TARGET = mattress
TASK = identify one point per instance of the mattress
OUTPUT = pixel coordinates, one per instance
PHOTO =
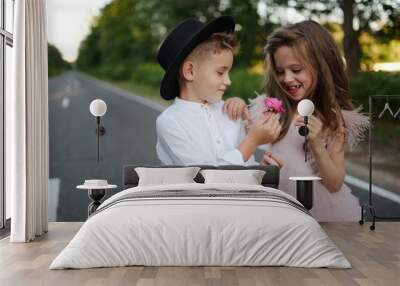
(201, 225)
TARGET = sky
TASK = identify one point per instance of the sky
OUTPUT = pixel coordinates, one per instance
(69, 22)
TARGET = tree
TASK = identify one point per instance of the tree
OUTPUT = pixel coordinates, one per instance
(128, 32)
(252, 30)
(351, 45)
(358, 16)
(56, 64)
(89, 53)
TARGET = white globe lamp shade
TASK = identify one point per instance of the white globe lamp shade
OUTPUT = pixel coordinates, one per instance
(305, 107)
(98, 107)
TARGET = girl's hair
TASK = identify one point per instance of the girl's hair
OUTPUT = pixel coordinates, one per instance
(318, 52)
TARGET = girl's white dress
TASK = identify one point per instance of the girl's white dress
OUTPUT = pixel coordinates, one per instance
(339, 206)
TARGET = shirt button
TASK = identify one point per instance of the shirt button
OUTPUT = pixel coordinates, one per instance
(218, 142)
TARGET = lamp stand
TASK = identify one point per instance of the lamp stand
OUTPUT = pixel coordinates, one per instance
(304, 193)
(100, 131)
(95, 196)
(304, 190)
(303, 131)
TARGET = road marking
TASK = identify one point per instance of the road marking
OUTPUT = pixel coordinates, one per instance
(65, 102)
(376, 190)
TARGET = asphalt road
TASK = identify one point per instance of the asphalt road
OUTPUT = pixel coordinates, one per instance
(130, 139)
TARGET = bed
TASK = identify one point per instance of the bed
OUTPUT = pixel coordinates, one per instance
(201, 224)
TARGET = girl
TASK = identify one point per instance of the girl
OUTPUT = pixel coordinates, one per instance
(303, 61)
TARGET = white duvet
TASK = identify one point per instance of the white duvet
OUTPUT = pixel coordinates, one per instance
(200, 231)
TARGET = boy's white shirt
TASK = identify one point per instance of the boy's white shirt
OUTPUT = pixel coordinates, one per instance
(195, 133)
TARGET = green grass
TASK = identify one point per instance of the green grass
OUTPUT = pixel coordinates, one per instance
(139, 89)
(149, 91)
(386, 134)
(142, 90)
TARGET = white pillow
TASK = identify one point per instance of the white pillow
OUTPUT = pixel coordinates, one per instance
(163, 176)
(248, 177)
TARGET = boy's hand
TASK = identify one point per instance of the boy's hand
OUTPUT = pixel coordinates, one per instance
(270, 159)
(265, 130)
(236, 108)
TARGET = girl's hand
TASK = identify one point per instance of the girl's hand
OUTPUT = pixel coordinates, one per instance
(315, 130)
(270, 159)
(236, 108)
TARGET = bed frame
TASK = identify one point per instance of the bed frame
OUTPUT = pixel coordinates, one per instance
(271, 178)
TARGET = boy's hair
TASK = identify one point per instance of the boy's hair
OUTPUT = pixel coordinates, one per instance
(318, 52)
(215, 44)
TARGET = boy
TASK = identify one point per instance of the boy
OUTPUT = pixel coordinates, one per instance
(197, 58)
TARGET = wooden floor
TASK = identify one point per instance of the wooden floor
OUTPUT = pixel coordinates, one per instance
(374, 255)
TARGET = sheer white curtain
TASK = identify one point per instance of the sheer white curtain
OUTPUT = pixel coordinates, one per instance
(27, 159)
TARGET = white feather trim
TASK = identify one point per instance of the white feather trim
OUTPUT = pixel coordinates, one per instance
(356, 123)
(256, 106)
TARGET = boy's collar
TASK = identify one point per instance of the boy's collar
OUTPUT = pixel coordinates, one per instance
(189, 103)
(193, 104)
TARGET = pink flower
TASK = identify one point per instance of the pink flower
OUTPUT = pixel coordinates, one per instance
(272, 104)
